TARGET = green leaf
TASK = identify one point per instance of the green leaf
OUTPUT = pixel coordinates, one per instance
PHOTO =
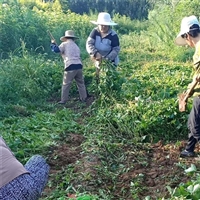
(85, 197)
(192, 168)
(190, 189)
(196, 188)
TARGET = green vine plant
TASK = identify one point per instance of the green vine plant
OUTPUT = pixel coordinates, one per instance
(109, 83)
(189, 190)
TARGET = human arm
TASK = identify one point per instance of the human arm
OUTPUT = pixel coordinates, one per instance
(90, 44)
(183, 97)
(115, 47)
(54, 47)
(190, 89)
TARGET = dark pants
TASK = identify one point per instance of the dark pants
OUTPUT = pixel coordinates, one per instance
(194, 125)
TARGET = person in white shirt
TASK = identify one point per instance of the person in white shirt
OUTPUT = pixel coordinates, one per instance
(72, 66)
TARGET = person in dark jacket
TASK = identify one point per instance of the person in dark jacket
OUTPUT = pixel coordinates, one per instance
(103, 41)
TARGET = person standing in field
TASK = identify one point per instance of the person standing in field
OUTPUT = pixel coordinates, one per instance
(103, 42)
(190, 35)
(72, 65)
(18, 182)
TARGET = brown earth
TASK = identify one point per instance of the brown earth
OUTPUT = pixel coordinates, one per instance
(155, 166)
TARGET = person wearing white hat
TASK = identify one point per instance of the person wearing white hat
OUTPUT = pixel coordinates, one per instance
(103, 42)
(190, 35)
(72, 65)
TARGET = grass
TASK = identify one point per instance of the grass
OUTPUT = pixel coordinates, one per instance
(96, 150)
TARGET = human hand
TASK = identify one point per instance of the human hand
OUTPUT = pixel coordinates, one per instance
(53, 41)
(98, 57)
(197, 78)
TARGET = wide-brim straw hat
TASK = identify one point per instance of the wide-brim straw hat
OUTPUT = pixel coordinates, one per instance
(186, 23)
(104, 19)
(68, 34)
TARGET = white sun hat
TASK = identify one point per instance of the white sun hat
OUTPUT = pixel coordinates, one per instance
(186, 23)
(104, 19)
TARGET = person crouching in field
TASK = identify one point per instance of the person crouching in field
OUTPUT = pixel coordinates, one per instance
(190, 35)
(72, 65)
(18, 182)
(103, 42)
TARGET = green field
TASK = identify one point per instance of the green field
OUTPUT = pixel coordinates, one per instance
(124, 142)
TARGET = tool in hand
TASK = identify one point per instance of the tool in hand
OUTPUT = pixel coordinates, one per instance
(51, 36)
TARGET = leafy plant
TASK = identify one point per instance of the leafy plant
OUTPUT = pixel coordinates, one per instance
(189, 190)
(133, 104)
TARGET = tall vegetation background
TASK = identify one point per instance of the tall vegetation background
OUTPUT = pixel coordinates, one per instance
(135, 9)
(134, 104)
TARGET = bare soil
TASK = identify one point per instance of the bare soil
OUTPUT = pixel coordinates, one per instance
(158, 165)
